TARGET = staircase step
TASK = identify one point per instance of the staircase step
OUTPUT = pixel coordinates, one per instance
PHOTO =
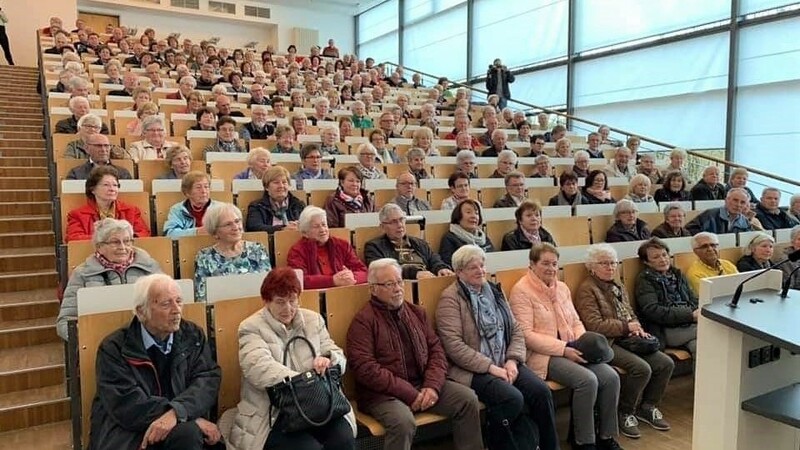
(25, 208)
(12, 144)
(31, 367)
(24, 305)
(33, 120)
(19, 134)
(23, 110)
(23, 172)
(16, 224)
(26, 332)
(23, 161)
(30, 195)
(33, 407)
(16, 183)
(51, 436)
(28, 239)
(30, 152)
(27, 259)
(27, 280)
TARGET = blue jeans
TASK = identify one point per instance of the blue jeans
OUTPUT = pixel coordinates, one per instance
(515, 413)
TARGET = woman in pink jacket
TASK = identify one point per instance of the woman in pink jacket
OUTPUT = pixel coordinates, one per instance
(543, 308)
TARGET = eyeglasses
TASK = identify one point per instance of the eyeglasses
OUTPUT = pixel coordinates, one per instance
(389, 284)
(607, 263)
(119, 243)
(708, 246)
(399, 221)
(91, 127)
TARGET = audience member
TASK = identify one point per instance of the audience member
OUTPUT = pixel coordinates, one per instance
(708, 263)
(596, 189)
(367, 162)
(769, 213)
(568, 193)
(529, 230)
(79, 107)
(789, 267)
(639, 189)
(278, 209)
(627, 224)
(673, 224)
(185, 218)
(709, 188)
(226, 141)
(619, 167)
(153, 144)
(258, 127)
(311, 165)
(738, 179)
(405, 187)
(350, 197)
(728, 218)
(466, 222)
(758, 254)
(458, 183)
(99, 151)
(506, 163)
(647, 167)
(674, 188)
(515, 190)
(258, 162)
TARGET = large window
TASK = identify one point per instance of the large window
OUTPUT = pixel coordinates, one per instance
(438, 44)
(519, 32)
(607, 22)
(377, 32)
(547, 88)
(749, 6)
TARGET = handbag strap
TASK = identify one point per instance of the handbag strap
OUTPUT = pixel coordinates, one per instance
(289, 344)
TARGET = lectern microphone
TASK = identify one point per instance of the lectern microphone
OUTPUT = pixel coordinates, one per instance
(788, 282)
(793, 257)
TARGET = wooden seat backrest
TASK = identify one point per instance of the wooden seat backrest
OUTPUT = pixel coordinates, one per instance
(567, 231)
(434, 232)
(508, 278)
(71, 201)
(188, 247)
(225, 170)
(542, 194)
(151, 169)
(341, 306)
(429, 291)
(164, 201)
(600, 226)
(497, 229)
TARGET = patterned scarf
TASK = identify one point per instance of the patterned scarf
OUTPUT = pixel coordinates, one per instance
(490, 323)
(355, 203)
(279, 209)
(478, 237)
(534, 238)
(119, 268)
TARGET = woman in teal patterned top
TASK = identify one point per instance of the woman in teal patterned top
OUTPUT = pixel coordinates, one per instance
(231, 254)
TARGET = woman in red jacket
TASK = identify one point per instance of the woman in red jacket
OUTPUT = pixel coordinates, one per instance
(102, 189)
(326, 261)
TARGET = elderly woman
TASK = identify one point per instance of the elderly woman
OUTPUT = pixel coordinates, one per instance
(543, 307)
(603, 306)
(194, 103)
(102, 190)
(145, 110)
(385, 152)
(665, 303)
(568, 192)
(596, 189)
(563, 148)
(758, 254)
(466, 222)
(226, 141)
(647, 167)
(541, 168)
(677, 158)
(349, 197)
(794, 207)
(141, 95)
(486, 350)
(529, 229)
(113, 69)
(709, 188)
(466, 161)
(580, 165)
(311, 160)
(515, 191)
(639, 189)
(423, 138)
(206, 118)
(787, 268)
(330, 136)
(179, 161)
(674, 189)
(154, 144)
(506, 163)
(258, 162)
(263, 338)
(326, 261)
(459, 190)
(88, 125)
(186, 218)
(278, 209)
(416, 163)
(284, 134)
(627, 224)
(738, 179)
(115, 261)
(674, 223)
(367, 162)
(230, 254)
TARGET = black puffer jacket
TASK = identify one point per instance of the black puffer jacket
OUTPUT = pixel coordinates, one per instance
(516, 240)
(260, 214)
(656, 310)
(382, 247)
(129, 395)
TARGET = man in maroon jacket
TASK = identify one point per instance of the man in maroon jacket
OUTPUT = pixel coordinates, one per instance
(400, 366)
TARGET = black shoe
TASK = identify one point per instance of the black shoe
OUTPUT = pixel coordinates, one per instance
(608, 444)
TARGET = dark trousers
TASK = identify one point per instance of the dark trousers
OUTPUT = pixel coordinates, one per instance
(514, 413)
(336, 435)
(185, 436)
(646, 378)
(5, 45)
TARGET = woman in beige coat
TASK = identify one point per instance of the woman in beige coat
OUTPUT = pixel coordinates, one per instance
(262, 338)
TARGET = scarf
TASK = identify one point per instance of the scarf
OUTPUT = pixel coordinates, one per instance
(671, 287)
(563, 200)
(490, 323)
(227, 146)
(279, 210)
(110, 213)
(421, 174)
(477, 238)
(619, 298)
(369, 174)
(534, 238)
(354, 203)
(119, 268)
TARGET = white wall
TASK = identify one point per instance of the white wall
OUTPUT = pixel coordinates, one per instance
(24, 19)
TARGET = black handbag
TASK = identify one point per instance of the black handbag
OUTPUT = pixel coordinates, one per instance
(639, 345)
(307, 399)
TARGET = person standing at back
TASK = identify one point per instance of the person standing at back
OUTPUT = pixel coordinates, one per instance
(4, 38)
(498, 77)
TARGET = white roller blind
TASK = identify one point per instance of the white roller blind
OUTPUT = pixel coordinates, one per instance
(519, 32)
(384, 48)
(438, 45)
(599, 23)
(545, 88)
(377, 21)
(414, 10)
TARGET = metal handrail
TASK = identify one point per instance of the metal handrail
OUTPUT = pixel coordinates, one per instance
(617, 130)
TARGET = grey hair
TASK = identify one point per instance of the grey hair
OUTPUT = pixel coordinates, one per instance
(465, 255)
(622, 149)
(624, 205)
(387, 209)
(143, 291)
(498, 132)
(367, 146)
(794, 233)
(256, 152)
(90, 119)
(646, 156)
(74, 100)
(678, 152)
(188, 78)
(639, 178)
(212, 218)
(672, 207)
(150, 121)
(356, 103)
(319, 100)
(258, 107)
(580, 154)
(377, 265)
(739, 190)
(464, 155)
(705, 234)
(507, 155)
(310, 212)
(416, 152)
(595, 251)
(77, 82)
(541, 158)
(512, 175)
(772, 189)
(106, 227)
(794, 198)
(757, 239)
(710, 168)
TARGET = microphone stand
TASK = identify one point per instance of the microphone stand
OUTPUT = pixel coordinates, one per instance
(788, 282)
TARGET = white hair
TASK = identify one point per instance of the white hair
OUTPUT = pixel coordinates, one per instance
(310, 212)
(106, 227)
(596, 251)
(464, 155)
(623, 206)
(90, 119)
(507, 155)
(213, 215)
(581, 154)
(378, 265)
(465, 255)
(704, 234)
(143, 291)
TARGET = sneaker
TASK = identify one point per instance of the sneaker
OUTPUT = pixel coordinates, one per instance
(629, 426)
(653, 417)
(608, 444)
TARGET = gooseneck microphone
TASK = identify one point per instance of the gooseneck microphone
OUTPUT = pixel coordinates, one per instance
(792, 257)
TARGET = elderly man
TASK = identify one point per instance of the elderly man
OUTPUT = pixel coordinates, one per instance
(405, 199)
(185, 87)
(466, 162)
(153, 73)
(156, 378)
(136, 58)
(257, 96)
(393, 387)
(558, 132)
(129, 82)
(386, 123)
(729, 218)
(769, 213)
(593, 141)
(207, 80)
(620, 168)
(708, 263)
(99, 150)
(223, 105)
(515, 190)
(499, 139)
(487, 138)
(461, 123)
(78, 87)
(258, 127)
(416, 258)
(709, 188)
(506, 163)
(79, 107)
